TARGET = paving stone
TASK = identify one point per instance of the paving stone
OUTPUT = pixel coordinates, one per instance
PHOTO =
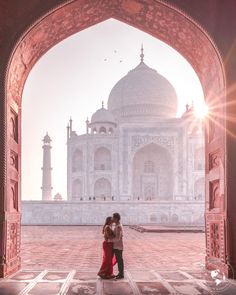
(46, 289)
(85, 276)
(143, 276)
(82, 289)
(117, 288)
(203, 275)
(25, 275)
(55, 276)
(190, 288)
(10, 288)
(152, 288)
(173, 275)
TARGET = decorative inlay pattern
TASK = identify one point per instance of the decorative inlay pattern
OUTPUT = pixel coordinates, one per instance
(215, 240)
(214, 160)
(215, 235)
(164, 141)
(12, 248)
(215, 198)
(214, 217)
(14, 160)
(13, 125)
(14, 196)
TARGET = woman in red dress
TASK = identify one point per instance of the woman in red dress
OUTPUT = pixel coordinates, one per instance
(108, 261)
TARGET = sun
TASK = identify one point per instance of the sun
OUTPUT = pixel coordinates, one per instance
(201, 111)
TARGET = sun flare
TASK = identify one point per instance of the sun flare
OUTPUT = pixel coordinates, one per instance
(201, 111)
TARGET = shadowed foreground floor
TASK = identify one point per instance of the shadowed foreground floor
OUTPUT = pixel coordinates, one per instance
(65, 260)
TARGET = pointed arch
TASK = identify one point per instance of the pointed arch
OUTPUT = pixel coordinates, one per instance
(102, 189)
(77, 161)
(152, 173)
(102, 159)
(77, 190)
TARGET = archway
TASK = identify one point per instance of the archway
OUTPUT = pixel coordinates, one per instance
(102, 159)
(77, 161)
(77, 190)
(102, 189)
(164, 22)
(152, 173)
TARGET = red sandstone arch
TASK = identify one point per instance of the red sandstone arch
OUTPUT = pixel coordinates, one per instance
(164, 22)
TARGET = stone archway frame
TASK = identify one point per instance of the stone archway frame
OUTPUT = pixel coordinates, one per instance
(108, 165)
(159, 19)
(104, 180)
(139, 149)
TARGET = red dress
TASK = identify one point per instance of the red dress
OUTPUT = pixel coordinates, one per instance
(108, 261)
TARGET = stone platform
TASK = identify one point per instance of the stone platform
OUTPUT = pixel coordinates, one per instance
(167, 229)
(95, 212)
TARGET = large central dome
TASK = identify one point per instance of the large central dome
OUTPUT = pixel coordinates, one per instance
(143, 93)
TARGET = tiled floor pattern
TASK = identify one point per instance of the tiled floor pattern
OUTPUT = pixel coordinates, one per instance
(73, 282)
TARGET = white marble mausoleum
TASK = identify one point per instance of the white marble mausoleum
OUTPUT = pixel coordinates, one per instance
(137, 157)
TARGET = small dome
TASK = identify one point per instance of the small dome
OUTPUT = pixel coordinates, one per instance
(102, 116)
(143, 92)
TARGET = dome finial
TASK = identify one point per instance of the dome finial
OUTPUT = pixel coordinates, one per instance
(142, 55)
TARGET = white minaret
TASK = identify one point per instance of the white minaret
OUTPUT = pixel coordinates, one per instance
(47, 170)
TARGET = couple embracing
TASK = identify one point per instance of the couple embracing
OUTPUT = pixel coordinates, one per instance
(112, 248)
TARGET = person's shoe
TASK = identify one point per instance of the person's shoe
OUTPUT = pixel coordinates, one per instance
(119, 277)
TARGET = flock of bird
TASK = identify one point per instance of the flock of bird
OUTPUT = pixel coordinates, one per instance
(106, 59)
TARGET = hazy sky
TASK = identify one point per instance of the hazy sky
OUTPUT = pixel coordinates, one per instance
(73, 78)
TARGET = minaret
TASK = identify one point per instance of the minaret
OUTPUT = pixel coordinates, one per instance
(87, 126)
(68, 132)
(47, 170)
(70, 125)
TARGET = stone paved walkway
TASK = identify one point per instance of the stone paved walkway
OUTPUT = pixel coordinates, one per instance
(65, 260)
(79, 247)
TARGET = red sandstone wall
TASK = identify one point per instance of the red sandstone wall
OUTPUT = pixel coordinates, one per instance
(217, 17)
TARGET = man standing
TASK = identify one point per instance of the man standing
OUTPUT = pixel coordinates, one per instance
(118, 245)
